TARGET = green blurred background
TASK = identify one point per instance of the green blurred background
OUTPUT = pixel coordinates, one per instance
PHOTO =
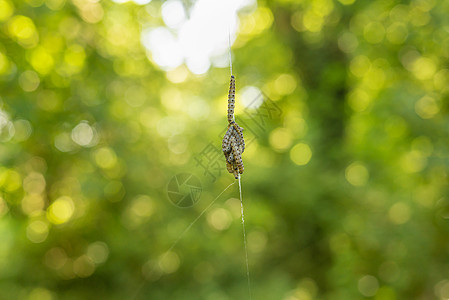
(345, 184)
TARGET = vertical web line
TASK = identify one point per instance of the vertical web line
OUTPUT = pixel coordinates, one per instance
(244, 239)
(230, 52)
(229, 45)
(240, 185)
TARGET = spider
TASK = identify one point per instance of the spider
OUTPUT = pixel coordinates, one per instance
(233, 143)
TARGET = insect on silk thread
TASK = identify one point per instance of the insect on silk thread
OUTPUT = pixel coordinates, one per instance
(233, 146)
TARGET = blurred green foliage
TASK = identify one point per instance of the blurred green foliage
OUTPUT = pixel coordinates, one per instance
(345, 194)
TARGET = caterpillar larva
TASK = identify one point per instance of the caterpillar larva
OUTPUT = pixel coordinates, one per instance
(231, 99)
(233, 143)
